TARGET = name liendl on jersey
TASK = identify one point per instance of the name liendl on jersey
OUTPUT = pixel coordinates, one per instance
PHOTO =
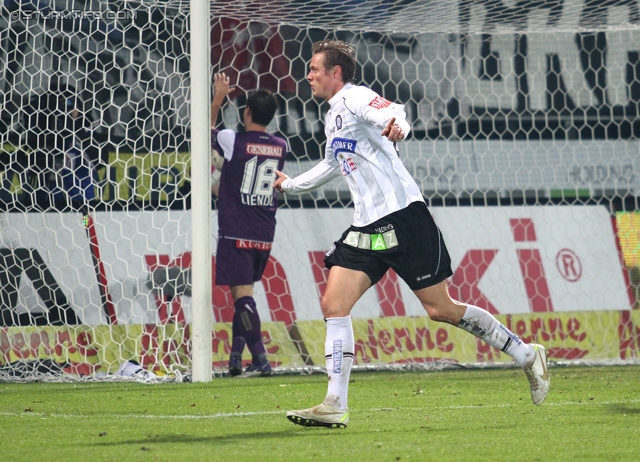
(257, 199)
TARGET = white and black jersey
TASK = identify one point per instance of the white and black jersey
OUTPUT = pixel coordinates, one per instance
(378, 181)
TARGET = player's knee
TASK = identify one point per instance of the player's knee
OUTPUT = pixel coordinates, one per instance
(330, 307)
(327, 310)
(433, 312)
(440, 313)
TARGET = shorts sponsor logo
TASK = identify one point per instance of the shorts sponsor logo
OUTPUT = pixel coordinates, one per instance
(264, 150)
(337, 356)
(422, 278)
(331, 250)
(247, 244)
(379, 102)
(382, 229)
(364, 241)
(352, 238)
(379, 241)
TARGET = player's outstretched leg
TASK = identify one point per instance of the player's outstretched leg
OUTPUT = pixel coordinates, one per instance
(531, 356)
(338, 347)
(538, 375)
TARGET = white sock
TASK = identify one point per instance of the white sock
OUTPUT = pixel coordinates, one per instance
(338, 349)
(482, 324)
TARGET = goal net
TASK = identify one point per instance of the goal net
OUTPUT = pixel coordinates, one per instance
(525, 126)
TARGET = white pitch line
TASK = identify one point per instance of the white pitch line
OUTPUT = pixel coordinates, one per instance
(490, 406)
(137, 416)
(245, 414)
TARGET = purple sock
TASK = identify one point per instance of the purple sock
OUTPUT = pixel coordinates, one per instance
(246, 325)
(237, 344)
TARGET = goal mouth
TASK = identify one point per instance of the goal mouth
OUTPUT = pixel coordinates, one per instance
(524, 143)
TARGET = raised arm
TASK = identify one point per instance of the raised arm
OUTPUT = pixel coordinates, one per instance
(220, 91)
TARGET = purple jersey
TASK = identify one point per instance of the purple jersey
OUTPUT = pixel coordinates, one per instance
(246, 198)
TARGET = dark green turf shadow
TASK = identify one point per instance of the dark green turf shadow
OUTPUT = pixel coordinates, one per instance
(292, 432)
(224, 439)
(623, 409)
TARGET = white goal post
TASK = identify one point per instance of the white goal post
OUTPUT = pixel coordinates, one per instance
(201, 197)
(525, 141)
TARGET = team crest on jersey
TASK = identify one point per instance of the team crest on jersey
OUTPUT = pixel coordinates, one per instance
(347, 165)
(379, 102)
(338, 122)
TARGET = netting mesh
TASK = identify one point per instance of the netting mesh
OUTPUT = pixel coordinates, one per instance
(513, 106)
(435, 16)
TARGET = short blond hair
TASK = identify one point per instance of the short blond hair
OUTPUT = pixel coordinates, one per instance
(338, 53)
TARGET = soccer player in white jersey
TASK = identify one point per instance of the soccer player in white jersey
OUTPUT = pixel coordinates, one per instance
(392, 228)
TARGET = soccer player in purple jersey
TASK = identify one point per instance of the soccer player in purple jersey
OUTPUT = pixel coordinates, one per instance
(246, 215)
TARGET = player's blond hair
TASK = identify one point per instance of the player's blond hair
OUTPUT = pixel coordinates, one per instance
(338, 53)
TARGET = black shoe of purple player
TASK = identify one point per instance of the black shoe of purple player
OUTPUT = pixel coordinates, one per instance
(263, 370)
(235, 364)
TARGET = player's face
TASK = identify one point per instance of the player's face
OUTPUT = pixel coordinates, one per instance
(324, 82)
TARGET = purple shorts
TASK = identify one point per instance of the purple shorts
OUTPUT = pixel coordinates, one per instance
(240, 262)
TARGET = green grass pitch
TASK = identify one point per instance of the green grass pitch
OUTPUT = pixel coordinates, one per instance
(591, 414)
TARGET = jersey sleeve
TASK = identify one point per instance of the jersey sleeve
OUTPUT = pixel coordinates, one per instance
(379, 111)
(323, 172)
(223, 142)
